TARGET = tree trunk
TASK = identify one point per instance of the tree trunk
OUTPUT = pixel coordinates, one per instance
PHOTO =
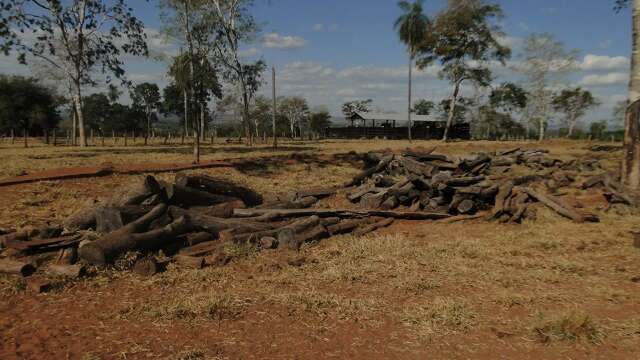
(273, 115)
(540, 129)
(26, 144)
(146, 135)
(630, 172)
(78, 101)
(245, 115)
(409, 97)
(452, 109)
(74, 125)
(572, 125)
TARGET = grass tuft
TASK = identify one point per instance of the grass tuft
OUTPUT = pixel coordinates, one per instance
(573, 326)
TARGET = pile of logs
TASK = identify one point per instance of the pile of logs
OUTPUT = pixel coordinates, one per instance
(193, 221)
(422, 181)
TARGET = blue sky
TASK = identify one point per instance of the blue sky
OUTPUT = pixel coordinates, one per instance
(332, 51)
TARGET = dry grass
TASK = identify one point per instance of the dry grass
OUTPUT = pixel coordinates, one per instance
(571, 326)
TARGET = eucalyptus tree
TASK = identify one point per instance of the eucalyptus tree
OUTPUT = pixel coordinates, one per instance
(464, 39)
(93, 33)
(545, 63)
(424, 107)
(411, 26)
(146, 96)
(236, 26)
(573, 103)
(630, 172)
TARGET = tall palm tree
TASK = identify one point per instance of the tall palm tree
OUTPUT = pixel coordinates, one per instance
(411, 27)
(630, 174)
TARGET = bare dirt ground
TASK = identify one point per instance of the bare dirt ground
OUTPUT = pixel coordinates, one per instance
(547, 288)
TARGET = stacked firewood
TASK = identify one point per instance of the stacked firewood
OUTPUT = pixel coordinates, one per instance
(195, 220)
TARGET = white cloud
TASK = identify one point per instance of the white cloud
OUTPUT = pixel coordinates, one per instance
(158, 44)
(318, 27)
(604, 62)
(510, 41)
(379, 86)
(605, 44)
(277, 41)
(333, 27)
(346, 92)
(252, 51)
(523, 26)
(605, 79)
(373, 72)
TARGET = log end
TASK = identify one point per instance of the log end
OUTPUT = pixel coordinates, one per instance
(93, 254)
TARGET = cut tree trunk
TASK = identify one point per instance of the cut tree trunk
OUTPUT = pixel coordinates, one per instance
(220, 187)
(15, 267)
(558, 206)
(214, 225)
(342, 213)
(108, 246)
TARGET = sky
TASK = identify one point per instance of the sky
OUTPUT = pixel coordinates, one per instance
(332, 51)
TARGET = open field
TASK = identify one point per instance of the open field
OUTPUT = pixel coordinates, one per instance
(547, 288)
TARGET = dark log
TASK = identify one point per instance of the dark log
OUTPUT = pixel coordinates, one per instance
(317, 193)
(373, 227)
(519, 206)
(390, 203)
(15, 267)
(215, 225)
(223, 210)
(106, 247)
(368, 172)
(67, 256)
(220, 187)
(198, 237)
(463, 218)
(71, 271)
(361, 191)
(503, 193)
(508, 152)
(346, 226)
(560, 208)
(383, 181)
(268, 242)
(188, 196)
(416, 167)
(466, 206)
(202, 248)
(108, 219)
(594, 181)
(372, 201)
(82, 219)
(469, 165)
(464, 181)
(342, 213)
(330, 221)
(292, 240)
(148, 266)
(191, 262)
(446, 165)
(136, 193)
(161, 221)
(45, 244)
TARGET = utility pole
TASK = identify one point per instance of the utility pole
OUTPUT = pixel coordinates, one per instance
(273, 85)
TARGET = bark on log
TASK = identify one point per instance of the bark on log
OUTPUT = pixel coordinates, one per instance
(373, 227)
(224, 210)
(148, 266)
(368, 172)
(137, 193)
(342, 213)
(106, 247)
(44, 244)
(82, 219)
(108, 219)
(346, 226)
(71, 271)
(317, 192)
(464, 181)
(67, 256)
(15, 267)
(292, 240)
(191, 262)
(560, 208)
(202, 248)
(215, 225)
(186, 196)
(220, 187)
(503, 193)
